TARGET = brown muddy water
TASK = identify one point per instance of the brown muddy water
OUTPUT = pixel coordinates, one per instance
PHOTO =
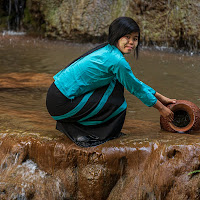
(27, 66)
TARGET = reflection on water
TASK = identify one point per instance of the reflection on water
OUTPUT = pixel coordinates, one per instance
(174, 75)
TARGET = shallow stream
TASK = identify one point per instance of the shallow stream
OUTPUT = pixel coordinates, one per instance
(175, 75)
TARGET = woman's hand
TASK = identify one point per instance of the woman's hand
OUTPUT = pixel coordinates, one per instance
(164, 111)
(164, 100)
(167, 113)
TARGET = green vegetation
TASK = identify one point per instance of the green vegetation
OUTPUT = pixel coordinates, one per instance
(194, 172)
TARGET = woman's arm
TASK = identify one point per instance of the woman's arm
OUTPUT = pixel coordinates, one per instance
(160, 106)
(146, 94)
(164, 100)
(136, 87)
(164, 111)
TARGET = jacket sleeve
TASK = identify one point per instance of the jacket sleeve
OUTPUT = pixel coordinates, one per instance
(136, 87)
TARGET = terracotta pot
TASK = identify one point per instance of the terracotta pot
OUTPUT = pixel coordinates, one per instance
(186, 117)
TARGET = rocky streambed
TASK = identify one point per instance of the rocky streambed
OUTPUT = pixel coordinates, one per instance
(146, 163)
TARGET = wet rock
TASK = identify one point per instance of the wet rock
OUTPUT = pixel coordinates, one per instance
(169, 23)
(26, 181)
(146, 163)
(25, 80)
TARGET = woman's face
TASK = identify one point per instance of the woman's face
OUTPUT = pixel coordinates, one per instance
(128, 43)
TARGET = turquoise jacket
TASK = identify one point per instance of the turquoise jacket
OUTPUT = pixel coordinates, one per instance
(98, 69)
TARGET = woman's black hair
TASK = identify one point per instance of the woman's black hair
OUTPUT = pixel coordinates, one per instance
(121, 27)
(118, 28)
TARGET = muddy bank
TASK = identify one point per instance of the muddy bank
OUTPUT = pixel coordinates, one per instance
(144, 164)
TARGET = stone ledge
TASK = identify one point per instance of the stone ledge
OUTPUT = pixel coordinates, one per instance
(146, 163)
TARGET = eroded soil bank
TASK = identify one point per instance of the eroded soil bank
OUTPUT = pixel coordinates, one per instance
(146, 163)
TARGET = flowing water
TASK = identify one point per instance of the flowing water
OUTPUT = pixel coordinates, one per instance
(27, 66)
(175, 75)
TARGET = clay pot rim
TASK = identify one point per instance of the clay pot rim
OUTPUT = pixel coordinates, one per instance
(186, 108)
